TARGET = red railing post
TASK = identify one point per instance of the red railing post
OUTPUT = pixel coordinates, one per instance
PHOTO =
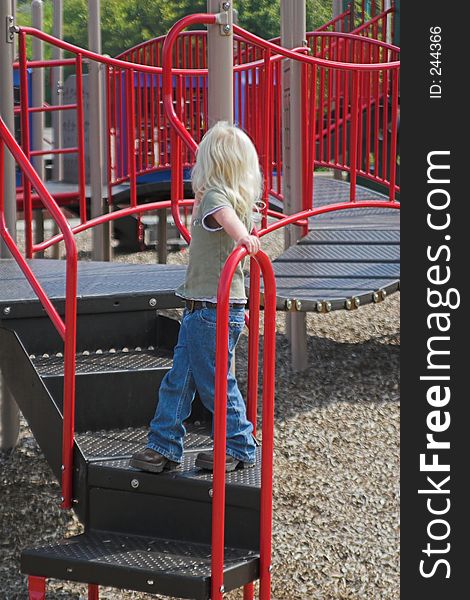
(36, 588)
(394, 133)
(220, 425)
(25, 143)
(353, 141)
(131, 136)
(253, 344)
(67, 329)
(80, 138)
(267, 96)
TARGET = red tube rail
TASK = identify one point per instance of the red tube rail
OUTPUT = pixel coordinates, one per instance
(220, 418)
(66, 328)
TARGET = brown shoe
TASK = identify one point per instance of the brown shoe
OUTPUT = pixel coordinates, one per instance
(205, 460)
(151, 461)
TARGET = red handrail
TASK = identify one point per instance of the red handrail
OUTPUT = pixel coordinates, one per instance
(220, 421)
(68, 328)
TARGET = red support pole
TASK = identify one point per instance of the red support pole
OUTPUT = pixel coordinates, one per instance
(36, 588)
(93, 591)
(248, 591)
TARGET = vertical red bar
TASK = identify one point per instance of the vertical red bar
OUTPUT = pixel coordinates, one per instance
(346, 102)
(109, 139)
(353, 141)
(337, 103)
(279, 129)
(25, 139)
(313, 138)
(131, 136)
(394, 132)
(121, 98)
(321, 127)
(360, 114)
(80, 138)
(330, 126)
(266, 135)
(253, 344)
(305, 141)
(93, 592)
(148, 133)
(36, 588)
(368, 101)
(220, 436)
(266, 501)
(385, 107)
(138, 77)
(154, 133)
(199, 122)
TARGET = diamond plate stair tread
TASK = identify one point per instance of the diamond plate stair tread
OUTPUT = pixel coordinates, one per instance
(249, 478)
(351, 236)
(154, 565)
(347, 253)
(121, 443)
(106, 361)
(335, 269)
(95, 279)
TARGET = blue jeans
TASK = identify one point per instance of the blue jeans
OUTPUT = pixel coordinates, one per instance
(194, 369)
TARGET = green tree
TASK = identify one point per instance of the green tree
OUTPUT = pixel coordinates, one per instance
(126, 23)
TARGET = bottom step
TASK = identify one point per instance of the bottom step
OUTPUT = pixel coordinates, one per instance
(153, 565)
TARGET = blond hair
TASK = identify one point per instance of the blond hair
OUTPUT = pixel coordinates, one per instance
(227, 160)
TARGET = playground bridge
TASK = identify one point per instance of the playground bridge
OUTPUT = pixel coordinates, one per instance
(88, 374)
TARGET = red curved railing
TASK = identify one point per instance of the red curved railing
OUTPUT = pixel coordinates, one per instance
(66, 328)
(220, 419)
(139, 135)
(261, 262)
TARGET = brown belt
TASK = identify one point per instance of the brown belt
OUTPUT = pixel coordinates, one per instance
(193, 305)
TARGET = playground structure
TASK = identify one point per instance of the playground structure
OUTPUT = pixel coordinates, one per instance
(349, 93)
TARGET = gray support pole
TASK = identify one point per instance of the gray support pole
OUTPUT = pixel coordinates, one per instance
(37, 83)
(56, 99)
(293, 32)
(9, 413)
(220, 65)
(337, 10)
(56, 91)
(101, 235)
(220, 69)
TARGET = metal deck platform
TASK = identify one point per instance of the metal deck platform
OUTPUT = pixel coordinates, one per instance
(124, 286)
(349, 257)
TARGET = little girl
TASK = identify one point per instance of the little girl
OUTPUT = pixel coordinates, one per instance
(227, 182)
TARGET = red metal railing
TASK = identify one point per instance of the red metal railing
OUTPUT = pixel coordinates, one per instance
(66, 328)
(270, 53)
(263, 264)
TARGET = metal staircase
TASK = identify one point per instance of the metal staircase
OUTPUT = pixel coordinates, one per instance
(143, 532)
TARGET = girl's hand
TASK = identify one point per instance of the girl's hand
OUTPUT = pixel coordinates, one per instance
(251, 243)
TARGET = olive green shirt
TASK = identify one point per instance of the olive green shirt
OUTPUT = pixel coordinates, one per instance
(208, 251)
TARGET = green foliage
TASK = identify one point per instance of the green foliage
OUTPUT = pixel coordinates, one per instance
(126, 23)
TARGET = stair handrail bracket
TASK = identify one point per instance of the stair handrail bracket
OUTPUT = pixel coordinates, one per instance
(220, 418)
(67, 328)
